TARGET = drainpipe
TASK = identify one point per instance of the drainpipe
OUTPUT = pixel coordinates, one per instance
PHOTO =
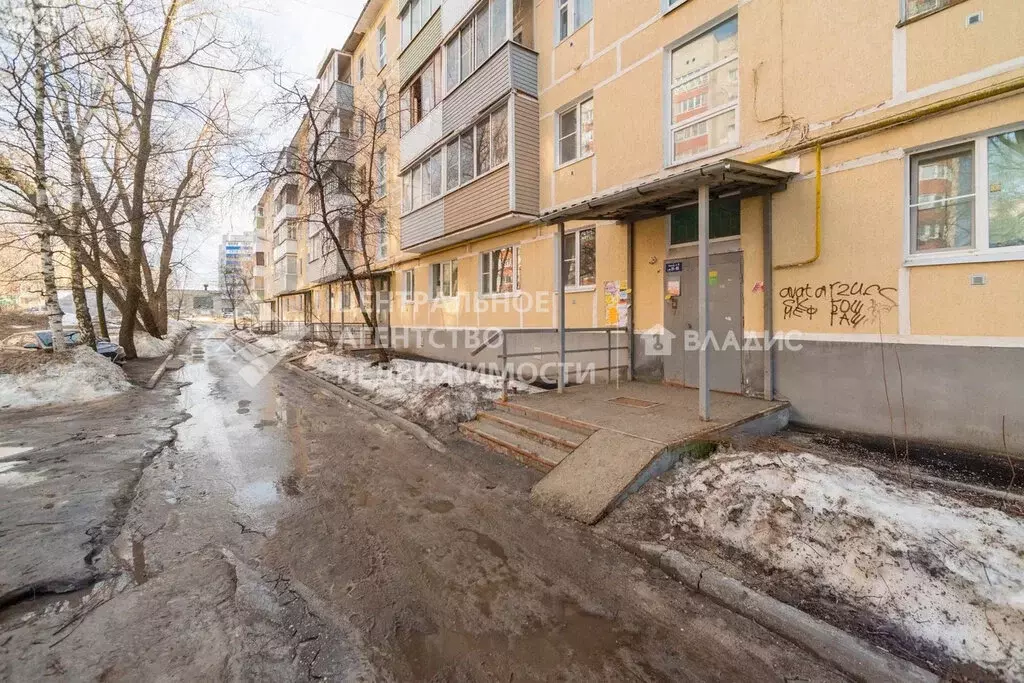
(703, 211)
(630, 264)
(560, 279)
(769, 294)
(817, 216)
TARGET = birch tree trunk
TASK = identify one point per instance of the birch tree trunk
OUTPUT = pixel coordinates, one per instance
(43, 222)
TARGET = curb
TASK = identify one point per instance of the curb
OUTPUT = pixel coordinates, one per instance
(857, 659)
(405, 425)
(163, 366)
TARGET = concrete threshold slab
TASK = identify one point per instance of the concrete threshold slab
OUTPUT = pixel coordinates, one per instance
(611, 465)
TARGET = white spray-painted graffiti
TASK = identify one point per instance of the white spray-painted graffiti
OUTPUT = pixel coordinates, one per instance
(849, 304)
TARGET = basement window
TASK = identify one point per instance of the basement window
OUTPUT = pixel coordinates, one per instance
(915, 9)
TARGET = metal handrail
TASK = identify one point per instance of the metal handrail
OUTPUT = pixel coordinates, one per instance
(505, 356)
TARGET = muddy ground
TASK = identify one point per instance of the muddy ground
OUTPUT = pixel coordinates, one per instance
(276, 533)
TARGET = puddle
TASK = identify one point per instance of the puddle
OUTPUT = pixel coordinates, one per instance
(139, 562)
(260, 493)
(487, 543)
(242, 411)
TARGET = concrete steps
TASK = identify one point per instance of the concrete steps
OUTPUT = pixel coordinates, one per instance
(537, 439)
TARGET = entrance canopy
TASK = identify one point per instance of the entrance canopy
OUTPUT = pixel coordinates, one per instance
(726, 178)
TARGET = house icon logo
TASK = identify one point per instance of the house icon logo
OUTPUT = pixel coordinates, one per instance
(657, 341)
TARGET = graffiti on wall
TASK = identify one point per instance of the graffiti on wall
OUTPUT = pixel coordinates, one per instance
(847, 304)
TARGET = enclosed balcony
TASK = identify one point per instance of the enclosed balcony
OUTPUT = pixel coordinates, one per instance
(484, 178)
(285, 248)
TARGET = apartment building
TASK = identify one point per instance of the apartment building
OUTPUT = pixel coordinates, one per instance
(857, 173)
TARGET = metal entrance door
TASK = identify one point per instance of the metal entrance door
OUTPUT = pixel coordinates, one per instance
(725, 321)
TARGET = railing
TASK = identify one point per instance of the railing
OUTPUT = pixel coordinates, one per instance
(355, 335)
(508, 363)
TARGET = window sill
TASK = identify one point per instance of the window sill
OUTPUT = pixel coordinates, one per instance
(573, 34)
(575, 161)
(703, 155)
(581, 289)
(968, 256)
(510, 295)
(925, 15)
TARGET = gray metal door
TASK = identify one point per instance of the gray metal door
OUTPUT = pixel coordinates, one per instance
(725, 322)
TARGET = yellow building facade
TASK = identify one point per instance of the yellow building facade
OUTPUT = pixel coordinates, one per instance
(885, 144)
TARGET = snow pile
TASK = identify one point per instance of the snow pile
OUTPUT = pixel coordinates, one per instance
(147, 346)
(947, 573)
(80, 375)
(433, 392)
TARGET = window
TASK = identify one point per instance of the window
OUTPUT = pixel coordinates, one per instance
(916, 8)
(382, 236)
(576, 132)
(499, 136)
(483, 147)
(452, 164)
(666, 5)
(969, 196)
(408, 286)
(481, 35)
(362, 67)
(466, 166)
(724, 221)
(382, 45)
(571, 15)
(381, 186)
(705, 93)
(417, 13)
(382, 109)
(499, 271)
(423, 184)
(422, 94)
(579, 258)
(444, 279)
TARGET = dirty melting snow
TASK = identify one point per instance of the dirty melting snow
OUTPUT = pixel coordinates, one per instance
(434, 392)
(83, 375)
(283, 343)
(949, 574)
(147, 346)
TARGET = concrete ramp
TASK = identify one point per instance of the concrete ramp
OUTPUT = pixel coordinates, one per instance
(588, 482)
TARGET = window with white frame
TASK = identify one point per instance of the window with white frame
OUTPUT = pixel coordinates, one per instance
(361, 67)
(408, 286)
(704, 93)
(475, 151)
(444, 279)
(382, 109)
(422, 94)
(579, 258)
(382, 237)
(576, 131)
(571, 15)
(969, 197)
(482, 34)
(415, 16)
(382, 45)
(499, 271)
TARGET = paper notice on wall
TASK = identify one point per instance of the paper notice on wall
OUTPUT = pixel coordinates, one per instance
(673, 288)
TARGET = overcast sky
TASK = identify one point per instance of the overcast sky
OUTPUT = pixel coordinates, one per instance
(299, 33)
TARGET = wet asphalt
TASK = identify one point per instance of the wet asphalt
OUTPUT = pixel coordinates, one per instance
(282, 534)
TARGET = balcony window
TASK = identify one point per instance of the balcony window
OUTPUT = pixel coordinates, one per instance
(452, 164)
(576, 132)
(483, 147)
(467, 169)
(422, 94)
(477, 40)
(704, 93)
(579, 258)
(572, 14)
(444, 279)
(499, 271)
(965, 200)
